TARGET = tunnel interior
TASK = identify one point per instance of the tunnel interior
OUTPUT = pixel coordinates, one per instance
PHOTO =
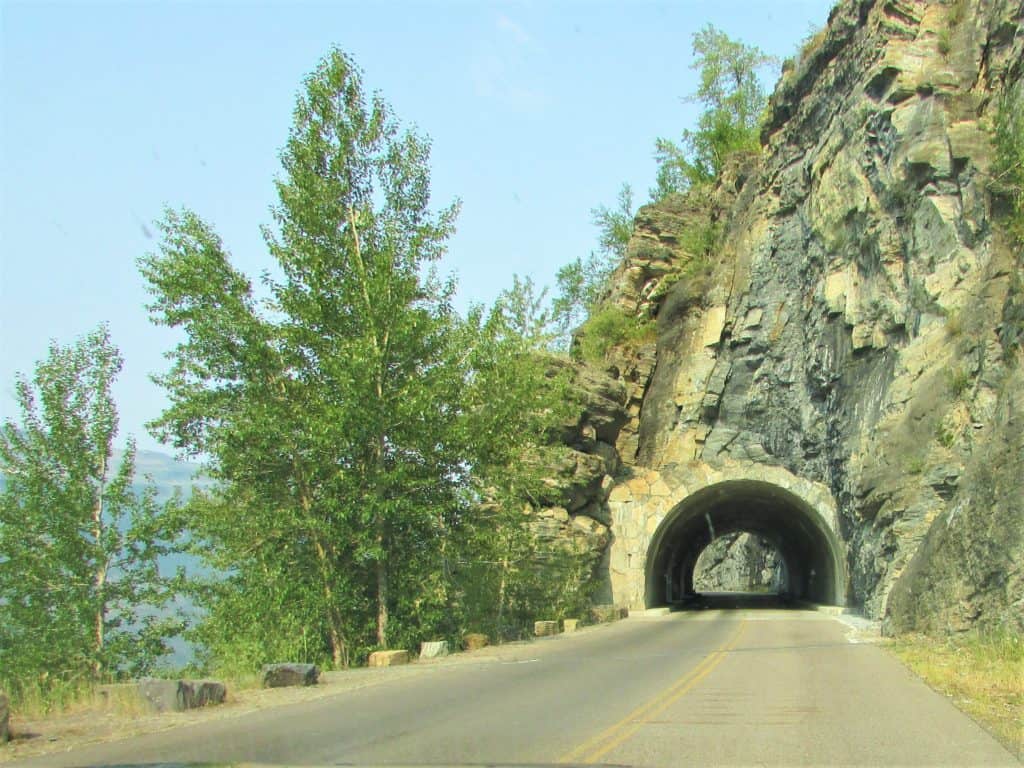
(808, 549)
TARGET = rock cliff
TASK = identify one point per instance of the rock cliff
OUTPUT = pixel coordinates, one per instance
(838, 307)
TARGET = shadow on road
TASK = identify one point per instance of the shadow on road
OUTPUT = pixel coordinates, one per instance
(734, 601)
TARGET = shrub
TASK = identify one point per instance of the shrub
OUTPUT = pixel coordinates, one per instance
(610, 327)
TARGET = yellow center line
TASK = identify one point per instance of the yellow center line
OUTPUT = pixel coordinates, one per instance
(611, 737)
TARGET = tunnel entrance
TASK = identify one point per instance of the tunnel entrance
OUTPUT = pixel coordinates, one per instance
(806, 547)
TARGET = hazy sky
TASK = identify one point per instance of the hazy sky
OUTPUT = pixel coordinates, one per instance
(538, 111)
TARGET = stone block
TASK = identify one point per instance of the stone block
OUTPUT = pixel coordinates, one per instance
(388, 658)
(179, 695)
(569, 625)
(714, 324)
(284, 675)
(620, 493)
(5, 718)
(836, 286)
(434, 649)
(474, 641)
(545, 628)
(602, 614)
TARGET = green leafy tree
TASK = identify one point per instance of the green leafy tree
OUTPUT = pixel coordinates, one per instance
(581, 283)
(515, 403)
(80, 589)
(734, 102)
(325, 414)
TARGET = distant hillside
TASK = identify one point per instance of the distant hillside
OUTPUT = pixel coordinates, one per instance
(167, 473)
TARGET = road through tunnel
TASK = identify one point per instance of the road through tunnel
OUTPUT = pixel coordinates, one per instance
(810, 555)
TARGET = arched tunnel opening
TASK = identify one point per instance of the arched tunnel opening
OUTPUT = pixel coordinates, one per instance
(808, 550)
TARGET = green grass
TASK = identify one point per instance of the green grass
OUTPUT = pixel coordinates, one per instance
(981, 672)
(611, 327)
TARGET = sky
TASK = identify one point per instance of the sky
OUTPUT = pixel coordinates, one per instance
(538, 112)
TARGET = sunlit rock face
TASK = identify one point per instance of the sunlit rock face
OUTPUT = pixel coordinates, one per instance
(845, 332)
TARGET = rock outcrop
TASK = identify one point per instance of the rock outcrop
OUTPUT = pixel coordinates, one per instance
(739, 562)
(849, 322)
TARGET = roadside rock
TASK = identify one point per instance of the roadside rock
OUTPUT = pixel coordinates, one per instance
(474, 641)
(387, 658)
(179, 695)
(545, 628)
(282, 675)
(433, 649)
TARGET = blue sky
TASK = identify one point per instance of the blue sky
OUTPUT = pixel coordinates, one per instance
(538, 112)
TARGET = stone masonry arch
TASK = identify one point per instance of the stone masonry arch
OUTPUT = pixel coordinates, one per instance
(662, 520)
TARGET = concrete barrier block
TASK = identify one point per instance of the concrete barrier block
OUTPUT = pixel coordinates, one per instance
(388, 658)
(545, 628)
(433, 649)
(474, 641)
(569, 625)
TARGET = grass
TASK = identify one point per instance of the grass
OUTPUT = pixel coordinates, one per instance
(611, 327)
(983, 674)
(38, 702)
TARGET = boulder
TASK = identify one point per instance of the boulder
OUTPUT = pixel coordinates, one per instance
(179, 695)
(387, 658)
(5, 717)
(284, 675)
(433, 649)
(473, 641)
(545, 628)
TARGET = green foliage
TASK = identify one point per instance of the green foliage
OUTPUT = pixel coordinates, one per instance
(79, 584)
(516, 399)
(327, 419)
(372, 449)
(1008, 183)
(734, 102)
(582, 283)
(610, 327)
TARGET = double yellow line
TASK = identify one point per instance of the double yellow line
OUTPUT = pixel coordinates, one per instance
(594, 749)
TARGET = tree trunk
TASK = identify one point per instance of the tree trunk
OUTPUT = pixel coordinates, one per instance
(100, 576)
(382, 588)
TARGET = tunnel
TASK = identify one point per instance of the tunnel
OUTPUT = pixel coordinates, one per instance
(808, 549)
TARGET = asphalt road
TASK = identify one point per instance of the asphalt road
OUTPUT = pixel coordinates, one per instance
(711, 687)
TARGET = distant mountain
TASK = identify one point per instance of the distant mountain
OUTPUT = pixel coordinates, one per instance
(167, 473)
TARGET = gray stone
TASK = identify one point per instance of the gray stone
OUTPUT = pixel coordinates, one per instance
(433, 649)
(179, 695)
(288, 674)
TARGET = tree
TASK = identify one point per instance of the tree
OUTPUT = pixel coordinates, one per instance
(327, 413)
(734, 102)
(581, 283)
(80, 588)
(515, 404)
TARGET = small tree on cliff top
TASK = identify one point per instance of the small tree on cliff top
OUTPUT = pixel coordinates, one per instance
(734, 102)
(327, 419)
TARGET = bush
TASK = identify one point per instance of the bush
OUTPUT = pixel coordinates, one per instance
(610, 327)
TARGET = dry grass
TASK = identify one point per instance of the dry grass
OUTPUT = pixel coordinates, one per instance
(86, 697)
(983, 674)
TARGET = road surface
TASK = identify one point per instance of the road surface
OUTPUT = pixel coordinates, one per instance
(739, 686)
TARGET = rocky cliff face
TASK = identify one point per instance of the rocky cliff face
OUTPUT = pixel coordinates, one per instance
(847, 324)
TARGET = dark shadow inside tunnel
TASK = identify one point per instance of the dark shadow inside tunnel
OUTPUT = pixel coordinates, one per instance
(811, 564)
